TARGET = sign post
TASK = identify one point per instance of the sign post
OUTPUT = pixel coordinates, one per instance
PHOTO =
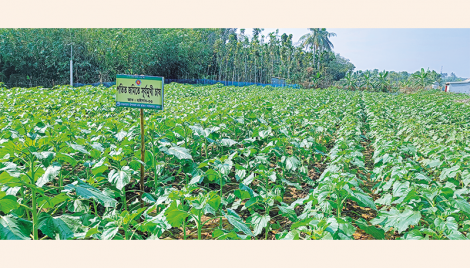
(142, 155)
(144, 92)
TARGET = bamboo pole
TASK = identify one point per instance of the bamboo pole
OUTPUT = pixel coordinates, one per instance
(142, 156)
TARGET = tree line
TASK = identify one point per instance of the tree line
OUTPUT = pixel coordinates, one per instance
(228, 54)
(391, 81)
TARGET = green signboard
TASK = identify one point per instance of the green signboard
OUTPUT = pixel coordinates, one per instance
(139, 91)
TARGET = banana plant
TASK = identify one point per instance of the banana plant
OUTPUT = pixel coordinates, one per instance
(368, 81)
(421, 78)
(316, 79)
(405, 84)
(350, 81)
(384, 83)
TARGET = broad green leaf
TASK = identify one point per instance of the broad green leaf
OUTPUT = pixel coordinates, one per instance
(14, 228)
(302, 222)
(292, 163)
(288, 212)
(89, 192)
(449, 172)
(259, 222)
(240, 174)
(79, 148)
(80, 206)
(237, 222)
(121, 177)
(293, 184)
(197, 130)
(225, 167)
(347, 228)
(6, 178)
(273, 177)
(12, 169)
(396, 219)
(214, 201)
(67, 158)
(98, 146)
(227, 142)
(44, 157)
(434, 163)
(54, 226)
(121, 135)
(414, 235)
(51, 172)
(455, 235)
(248, 189)
(175, 215)
(180, 152)
(73, 222)
(462, 205)
(196, 180)
(242, 195)
(99, 167)
(249, 179)
(110, 231)
(410, 196)
(51, 203)
(92, 232)
(377, 233)
(8, 203)
(364, 200)
(252, 201)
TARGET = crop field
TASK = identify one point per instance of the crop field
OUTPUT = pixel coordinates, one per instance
(236, 163)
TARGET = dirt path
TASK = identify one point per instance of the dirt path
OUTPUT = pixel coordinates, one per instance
(352, 209)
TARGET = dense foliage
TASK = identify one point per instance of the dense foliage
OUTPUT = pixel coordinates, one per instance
(390, 81)
(42, 56)
(234, 163)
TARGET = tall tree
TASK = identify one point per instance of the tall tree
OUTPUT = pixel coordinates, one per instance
(317, 40)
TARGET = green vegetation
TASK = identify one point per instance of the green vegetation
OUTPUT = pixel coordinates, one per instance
(40, 57)
(234, 163)
(389, 81)
(386, 81)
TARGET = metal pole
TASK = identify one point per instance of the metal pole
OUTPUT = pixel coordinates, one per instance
(142, 156)
(71, 73)
(71, 66)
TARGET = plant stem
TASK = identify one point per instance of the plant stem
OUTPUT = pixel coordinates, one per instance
(154, 164)
(35, 215)
(123, 198)
(23, 198)
(199, 226)
(94, 206)
(60, 181)
(267, 232)
(220, 193)
(34, 205)
(184, 229)
(338, 206)
(125, 232)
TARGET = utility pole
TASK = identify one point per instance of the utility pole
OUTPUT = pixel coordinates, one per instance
(440, 80)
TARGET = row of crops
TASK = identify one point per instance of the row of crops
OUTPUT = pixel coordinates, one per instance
(234, 163)
(421, 156)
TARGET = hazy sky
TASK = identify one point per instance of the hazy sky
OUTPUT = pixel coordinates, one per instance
(399, 49)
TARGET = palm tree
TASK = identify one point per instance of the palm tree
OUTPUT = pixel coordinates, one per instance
(317, 40)
(326, 44)
(310, 40)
